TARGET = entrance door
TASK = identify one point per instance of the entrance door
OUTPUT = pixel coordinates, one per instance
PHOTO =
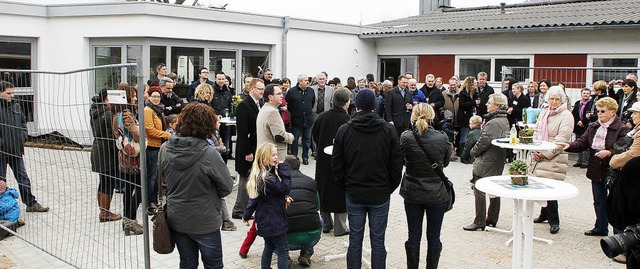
(390, 67)
(225, 61)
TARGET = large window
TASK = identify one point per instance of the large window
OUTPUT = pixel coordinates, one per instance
(253, 61)
(225, 61)
(608, 75)
(109, 77)
(185, 62)
(468, 66)
(18, 56)
(157, 56)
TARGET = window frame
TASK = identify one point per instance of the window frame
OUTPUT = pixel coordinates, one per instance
(493, 58)
(27, 91)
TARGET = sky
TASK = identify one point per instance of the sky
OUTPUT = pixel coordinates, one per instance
(340, 11)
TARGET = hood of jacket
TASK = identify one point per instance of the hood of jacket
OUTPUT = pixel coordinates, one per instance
(366, 122)
(184, 151)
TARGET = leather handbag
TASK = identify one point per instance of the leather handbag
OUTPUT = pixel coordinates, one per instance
(162, 240)
(438, 170)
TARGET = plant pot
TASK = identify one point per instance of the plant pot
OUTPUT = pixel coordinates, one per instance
(526, 140)
(520, 180)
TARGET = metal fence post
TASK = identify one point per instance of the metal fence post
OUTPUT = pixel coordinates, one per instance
(143, 162)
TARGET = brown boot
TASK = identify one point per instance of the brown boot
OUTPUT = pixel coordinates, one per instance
(104, 202)
(131, 227)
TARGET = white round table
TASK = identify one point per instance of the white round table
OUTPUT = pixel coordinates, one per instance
(539, 189)
(523, 151)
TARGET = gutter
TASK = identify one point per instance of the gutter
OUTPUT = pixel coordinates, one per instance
(285, 33)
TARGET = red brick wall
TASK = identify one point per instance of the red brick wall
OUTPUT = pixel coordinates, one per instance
(438, 65)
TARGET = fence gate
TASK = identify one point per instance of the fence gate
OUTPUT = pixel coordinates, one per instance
(57, 160)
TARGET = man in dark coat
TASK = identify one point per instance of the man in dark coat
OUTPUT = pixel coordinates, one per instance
(367, 162)
(13, 134)
(625, 97)
(332, 196)
(434, 97)
(482, 97)
(398, 104)
(246, 116)
(172, 103)
(221, 101)
(300, 102)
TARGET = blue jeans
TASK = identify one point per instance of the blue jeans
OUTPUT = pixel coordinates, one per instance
(20, 173)
(280, 246)
(600, 206)
(209, 245)
(152, 176)
(306, 141)
(378, 215)
(464, 131)
(435, 215)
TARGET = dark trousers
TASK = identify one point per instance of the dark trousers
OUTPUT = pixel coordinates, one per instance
(482, 214)
(132, 195)
(108, 182)
(280, 246)
(225, 133)
(632, 261)
(599, 205)
(550, 212)
(189, 245)
(152, 175)
(20, 173)
(415, 216)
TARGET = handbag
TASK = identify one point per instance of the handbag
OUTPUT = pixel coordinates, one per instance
(128, 150)
(162, 240)
(612, 176)
(621, 145)
(438, 170)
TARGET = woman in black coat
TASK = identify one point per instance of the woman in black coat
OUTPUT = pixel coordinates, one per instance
(580, 110)
(332, 196)
(517, 103)
(104, 154)
(466, 105)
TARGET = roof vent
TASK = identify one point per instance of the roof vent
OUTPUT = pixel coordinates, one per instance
(502, 7)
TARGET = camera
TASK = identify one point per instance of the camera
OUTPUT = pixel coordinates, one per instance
(621, 243)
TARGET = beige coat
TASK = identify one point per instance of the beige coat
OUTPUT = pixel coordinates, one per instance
(619, 160)
(556, 162)
(269, 125)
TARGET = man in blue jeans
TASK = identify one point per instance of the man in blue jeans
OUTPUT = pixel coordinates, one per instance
(300, 102)
(13, 134)
(367, 161)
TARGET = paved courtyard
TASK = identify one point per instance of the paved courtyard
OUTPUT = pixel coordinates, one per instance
(63, 181)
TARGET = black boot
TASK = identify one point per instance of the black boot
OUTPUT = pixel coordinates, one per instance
(413, 256)
(433, 257)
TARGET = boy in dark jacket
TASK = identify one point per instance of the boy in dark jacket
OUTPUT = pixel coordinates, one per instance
(472, 138)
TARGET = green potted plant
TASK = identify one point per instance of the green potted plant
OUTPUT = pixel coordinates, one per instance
(518, 172)
(526, 135)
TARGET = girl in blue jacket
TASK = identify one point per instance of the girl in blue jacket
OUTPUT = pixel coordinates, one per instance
(269, 185)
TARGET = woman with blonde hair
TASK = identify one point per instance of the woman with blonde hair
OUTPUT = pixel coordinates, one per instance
(204, 94)
(466, 105)
(422, 188)
(268, 186)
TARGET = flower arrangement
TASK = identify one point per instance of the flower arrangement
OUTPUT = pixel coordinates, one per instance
(235, 101)
(518, 172)
(526, 135)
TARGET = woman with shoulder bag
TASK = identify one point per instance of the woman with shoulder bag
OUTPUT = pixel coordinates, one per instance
(423, 190)
(125, 129)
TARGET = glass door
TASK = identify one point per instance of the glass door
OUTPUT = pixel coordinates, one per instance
(225, 61)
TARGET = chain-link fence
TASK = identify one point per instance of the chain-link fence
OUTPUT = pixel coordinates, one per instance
(54, 109)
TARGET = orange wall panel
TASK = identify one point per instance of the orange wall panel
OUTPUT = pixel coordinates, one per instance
(438, 65)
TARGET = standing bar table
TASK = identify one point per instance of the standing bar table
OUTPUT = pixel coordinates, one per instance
(539, 189)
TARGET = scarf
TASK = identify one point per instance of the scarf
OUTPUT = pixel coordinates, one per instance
(543, 126)
(159, 109)
(583, 105)
(601, 134)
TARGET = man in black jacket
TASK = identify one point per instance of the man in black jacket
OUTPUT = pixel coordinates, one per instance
(220, 103)
(367, 162)
(13, 134)
(484, 90)
(300, 101)
(172, 103)
(434, 97)
(397, 106)
(204, 78)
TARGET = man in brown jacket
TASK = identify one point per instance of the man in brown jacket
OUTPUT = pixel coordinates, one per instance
(269, 125)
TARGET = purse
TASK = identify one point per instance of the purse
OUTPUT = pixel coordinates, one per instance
(162, 240)
(438, 170)
(128, 150)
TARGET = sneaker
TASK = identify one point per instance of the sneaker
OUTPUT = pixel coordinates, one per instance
(37, 207)
(228, 225)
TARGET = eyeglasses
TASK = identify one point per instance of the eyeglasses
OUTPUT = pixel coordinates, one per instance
(602, 111)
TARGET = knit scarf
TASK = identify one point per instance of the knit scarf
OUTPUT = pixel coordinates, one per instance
(583, 105)
(601, 134)
(543, 126)
(159, 109)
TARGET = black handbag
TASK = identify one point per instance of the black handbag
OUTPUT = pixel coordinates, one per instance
(621, 145)
(438, 170)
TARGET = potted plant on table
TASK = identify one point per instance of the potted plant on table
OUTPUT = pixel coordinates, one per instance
(526, 135)
(518, 172)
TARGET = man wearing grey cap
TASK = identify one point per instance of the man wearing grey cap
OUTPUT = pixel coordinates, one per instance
(367, 162)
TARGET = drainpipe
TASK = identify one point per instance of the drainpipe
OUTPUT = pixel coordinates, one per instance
(285, 32)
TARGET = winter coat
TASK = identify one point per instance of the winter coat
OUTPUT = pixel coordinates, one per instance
(466, 105)
(518, 104)
(246, 140)
(367, 160)
(596, 167)
(172, 104)
(593, 110)
(625, 116)
(270, 128)
(418, 96)
(300, 104)
(451, 103)
(434, 96)
(332, 195)
(489, 158)
(221, 99)
(328, 94)
(472, 138)
(13, 128)
(395, 108)
(620, 160)
(269, 206)
(303, 219)
(193, 86)
(576, 117)
(420, 183)
(555, 162)
(104, 154)
(197, 180)
(9, 206)
(154, 130)
(483, 95)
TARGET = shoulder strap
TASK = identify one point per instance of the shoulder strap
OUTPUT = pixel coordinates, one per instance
(434, 165)
(160, 177)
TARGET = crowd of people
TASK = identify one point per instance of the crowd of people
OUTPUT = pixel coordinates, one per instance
(366, 122)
